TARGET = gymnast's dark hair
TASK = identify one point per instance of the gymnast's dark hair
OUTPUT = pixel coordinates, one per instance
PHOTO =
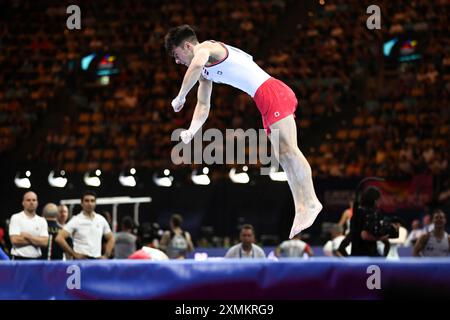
(177, 35)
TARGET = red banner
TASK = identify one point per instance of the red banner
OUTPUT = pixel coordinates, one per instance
(411, 194)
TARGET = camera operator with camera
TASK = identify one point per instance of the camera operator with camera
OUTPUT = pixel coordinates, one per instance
(369, 225)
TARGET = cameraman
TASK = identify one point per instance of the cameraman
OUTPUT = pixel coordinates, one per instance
(364, 227)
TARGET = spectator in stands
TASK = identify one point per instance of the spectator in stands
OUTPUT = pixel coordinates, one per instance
(53, 251)
(435, 243)
(176, 242)
(28, 231)
(416, 232)
(63, 215)
(87, 229)
(247, 247)
(331, 247)
(125, 240)
(294, 248)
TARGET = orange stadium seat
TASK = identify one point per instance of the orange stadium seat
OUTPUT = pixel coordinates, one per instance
(84, 117)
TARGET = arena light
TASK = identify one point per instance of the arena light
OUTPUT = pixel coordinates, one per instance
(241, 177)
(21, 181)
(57, 181)
(86, 61)
(92, 181)
(277, 175)
(127, 181)
(201, 179)
(164, 181)
(388, 46)
(104, 80)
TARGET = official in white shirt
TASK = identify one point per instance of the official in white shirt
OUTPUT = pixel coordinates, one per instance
(246, 249)
(28, 231)
(87, 229)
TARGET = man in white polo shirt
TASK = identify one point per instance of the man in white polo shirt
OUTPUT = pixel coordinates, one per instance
(87, 229)
(28, 231)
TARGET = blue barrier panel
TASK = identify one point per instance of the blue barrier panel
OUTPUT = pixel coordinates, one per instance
(3, 255)
(318, 278)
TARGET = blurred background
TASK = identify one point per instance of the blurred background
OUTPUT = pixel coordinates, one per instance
(90, 108)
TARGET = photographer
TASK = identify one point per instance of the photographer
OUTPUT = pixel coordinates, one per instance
(368, 226)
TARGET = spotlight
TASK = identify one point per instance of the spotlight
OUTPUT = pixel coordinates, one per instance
(239, 177)
(129, 180)
(164, 180)
(92, 181)
(201, 179)
(57, 180)
(277, 175)
(22, 180)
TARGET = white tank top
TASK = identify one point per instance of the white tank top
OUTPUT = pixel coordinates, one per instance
(237, 69)
(293, 248)
(435, 247)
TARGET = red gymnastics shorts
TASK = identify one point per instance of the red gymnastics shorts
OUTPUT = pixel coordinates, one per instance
(275, 100)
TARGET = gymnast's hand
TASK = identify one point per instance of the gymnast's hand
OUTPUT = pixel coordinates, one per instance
(178, 103)
(186, 136)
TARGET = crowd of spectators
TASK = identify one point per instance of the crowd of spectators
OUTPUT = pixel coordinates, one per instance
(400, 126)
(128, 121)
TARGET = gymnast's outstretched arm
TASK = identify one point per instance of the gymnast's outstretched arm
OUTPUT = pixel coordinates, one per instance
(201, 111)
(193, 74)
